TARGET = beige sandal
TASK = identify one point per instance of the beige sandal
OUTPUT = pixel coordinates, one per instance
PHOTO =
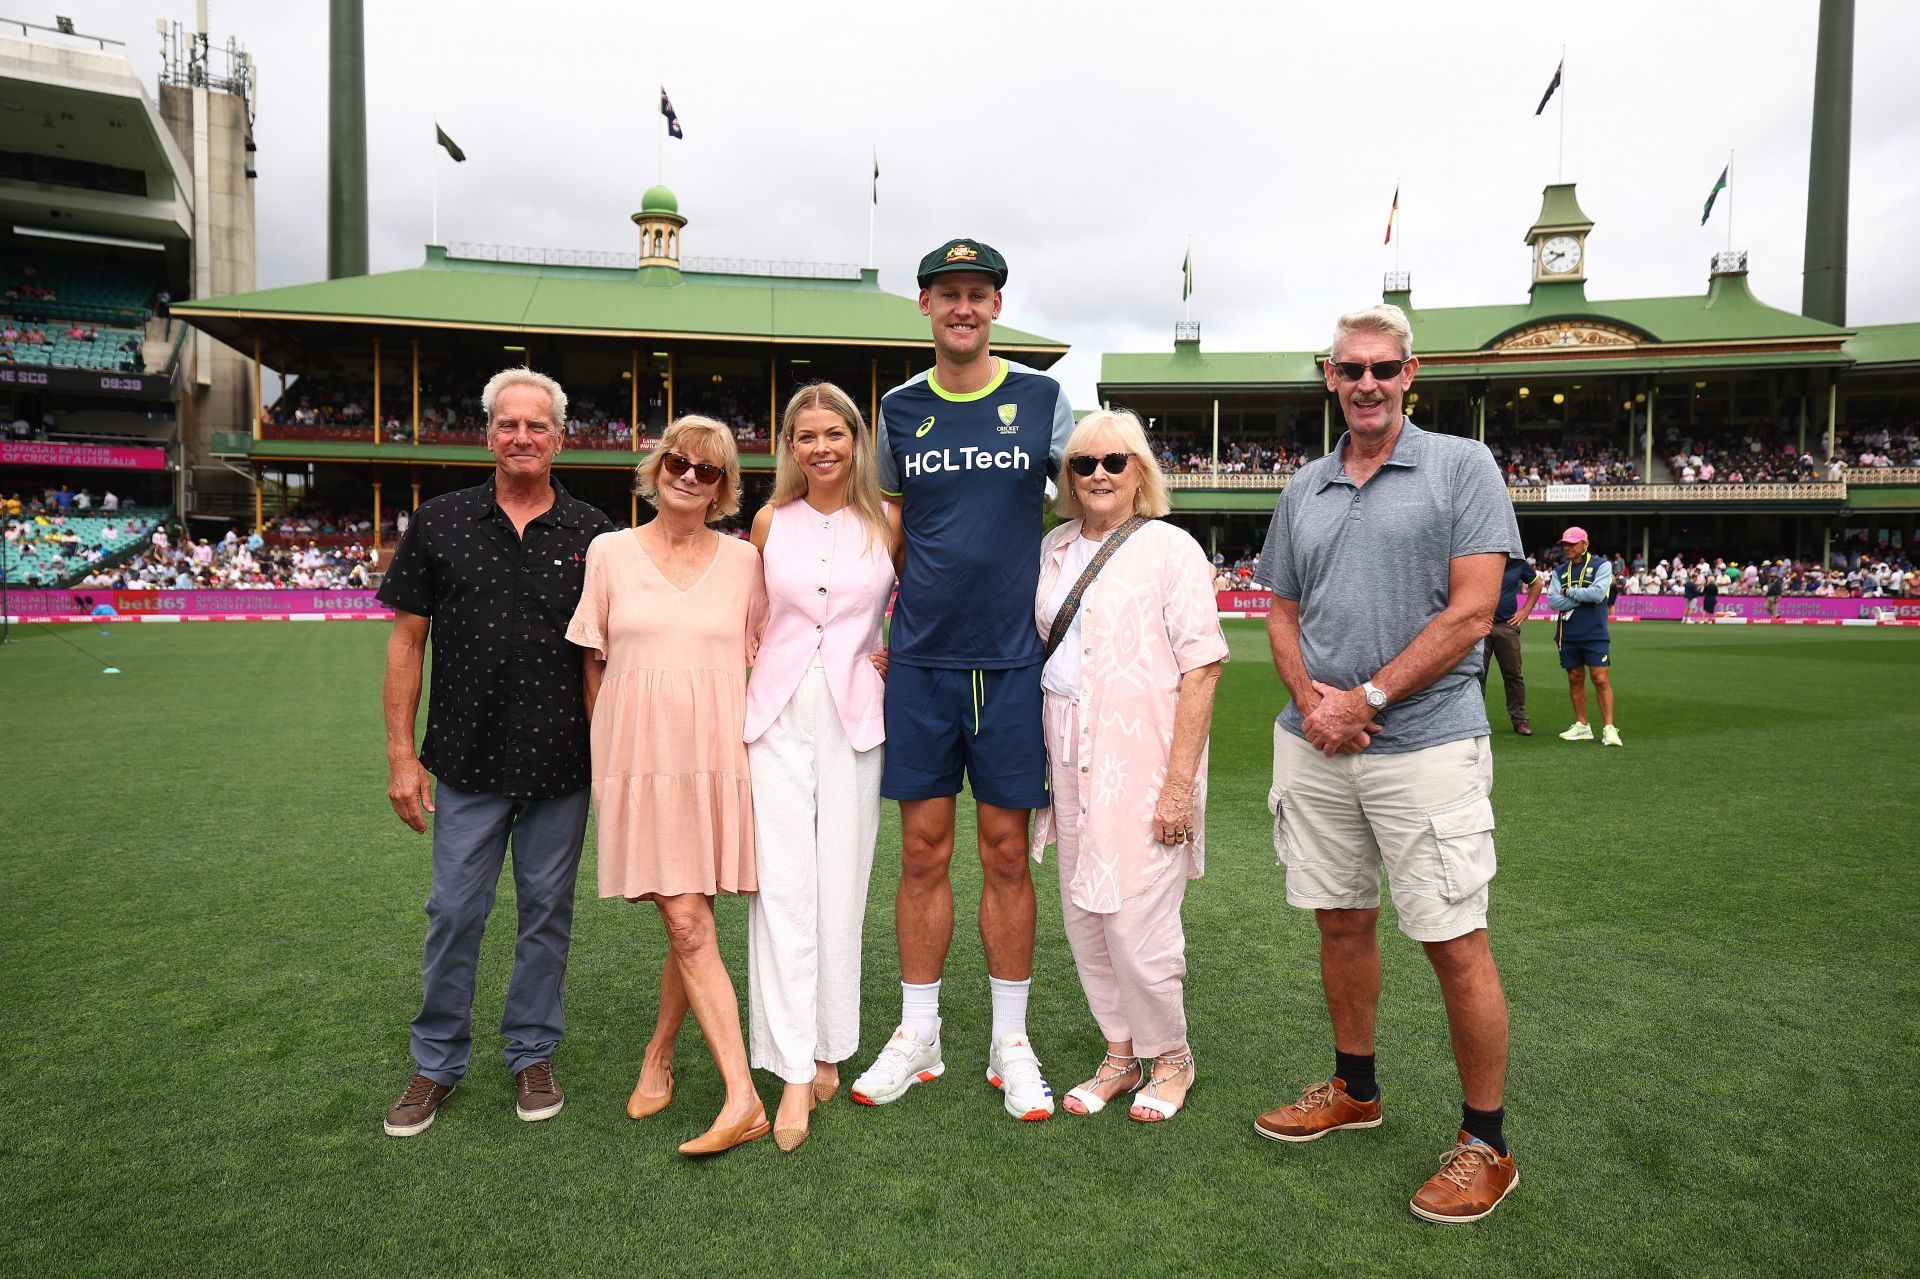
(1092, 1103)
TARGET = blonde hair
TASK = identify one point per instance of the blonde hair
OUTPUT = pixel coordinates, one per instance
(863, 475)
(1387, 320)
(707, 436)
(523, 376)
(1150, 499)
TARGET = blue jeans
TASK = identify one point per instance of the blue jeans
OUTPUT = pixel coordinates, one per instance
(470, 834)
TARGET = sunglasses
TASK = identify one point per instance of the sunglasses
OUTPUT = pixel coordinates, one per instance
(1353, 370)
(705, 472)
(1084, 464)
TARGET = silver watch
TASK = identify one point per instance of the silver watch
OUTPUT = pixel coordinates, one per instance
(1376, 698)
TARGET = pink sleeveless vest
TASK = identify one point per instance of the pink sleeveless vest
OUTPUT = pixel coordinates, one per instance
(826, 595)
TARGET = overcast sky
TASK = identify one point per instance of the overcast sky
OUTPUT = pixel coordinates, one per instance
(1089, 141)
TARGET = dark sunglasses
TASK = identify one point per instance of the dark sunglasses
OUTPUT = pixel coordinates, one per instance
(705, 472)
(1084, 463)
(1353, 371)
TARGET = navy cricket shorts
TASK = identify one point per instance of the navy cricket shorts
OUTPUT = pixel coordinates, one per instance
(942, 723)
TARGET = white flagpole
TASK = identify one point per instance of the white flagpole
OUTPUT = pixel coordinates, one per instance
(436, 180)
(1560, 172)
(1399, 224)
(1729, 201)
(873, 205)
(1186, 284)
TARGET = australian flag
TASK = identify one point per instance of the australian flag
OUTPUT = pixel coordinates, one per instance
(673, 121)
(1544, 98)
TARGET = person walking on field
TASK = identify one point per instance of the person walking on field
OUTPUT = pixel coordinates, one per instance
(1578, 592)
(490, 574)
(967, 448)
(1503, 642)
(1384, 558)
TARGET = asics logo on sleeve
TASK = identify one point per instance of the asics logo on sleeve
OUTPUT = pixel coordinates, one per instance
(924, 427)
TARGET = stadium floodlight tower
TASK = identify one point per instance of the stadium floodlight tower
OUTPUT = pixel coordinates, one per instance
(1823, 287)
(346, 139)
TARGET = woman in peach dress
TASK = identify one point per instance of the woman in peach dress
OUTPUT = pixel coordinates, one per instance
(668, 614)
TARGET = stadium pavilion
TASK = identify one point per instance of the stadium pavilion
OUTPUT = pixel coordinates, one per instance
(384, 412)
(1632, 378)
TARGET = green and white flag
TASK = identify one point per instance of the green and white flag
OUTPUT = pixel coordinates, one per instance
(451, 147)
(1714, 194)
(1186, 275)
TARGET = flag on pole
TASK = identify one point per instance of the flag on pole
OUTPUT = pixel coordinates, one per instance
(1555, 84)
(1392, 213)
(447, 144)
(1714, 194)
(876, 176)
(673, 121)
(1186, 275)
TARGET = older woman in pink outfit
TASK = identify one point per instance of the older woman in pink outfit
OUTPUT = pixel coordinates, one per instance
(1129, 689)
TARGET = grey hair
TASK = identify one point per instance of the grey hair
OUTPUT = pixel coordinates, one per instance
(525, 377)
(1387, 320)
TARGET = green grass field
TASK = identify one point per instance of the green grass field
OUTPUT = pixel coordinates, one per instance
(1708, 940)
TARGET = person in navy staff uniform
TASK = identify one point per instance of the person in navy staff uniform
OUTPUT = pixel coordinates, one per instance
(1503, 642)
(967, 448)
(490, 575)
(1578, 592)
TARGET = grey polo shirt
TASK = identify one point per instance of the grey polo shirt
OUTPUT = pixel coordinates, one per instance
(1369, 566)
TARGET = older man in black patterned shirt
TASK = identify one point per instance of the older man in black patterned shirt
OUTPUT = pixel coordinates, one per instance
(492, 574)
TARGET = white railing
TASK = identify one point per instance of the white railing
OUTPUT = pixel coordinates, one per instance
(1881, 475)
(1227, 480)
(1598, 493)
(534, 256)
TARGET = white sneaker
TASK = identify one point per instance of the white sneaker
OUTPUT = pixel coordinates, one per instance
(1610, 736)
(1015, 1071)
(904, 1062)
(1580, 732)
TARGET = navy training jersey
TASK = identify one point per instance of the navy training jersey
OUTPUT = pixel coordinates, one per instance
(971, 474)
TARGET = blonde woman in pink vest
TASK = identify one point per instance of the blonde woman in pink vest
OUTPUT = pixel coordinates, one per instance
(829, 550)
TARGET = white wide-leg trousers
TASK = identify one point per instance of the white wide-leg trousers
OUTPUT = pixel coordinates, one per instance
(816, 813)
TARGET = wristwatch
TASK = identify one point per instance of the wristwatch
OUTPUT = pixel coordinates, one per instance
(1376, 698)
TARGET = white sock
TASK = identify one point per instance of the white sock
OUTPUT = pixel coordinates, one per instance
(1009, 1007)
(920, 1010)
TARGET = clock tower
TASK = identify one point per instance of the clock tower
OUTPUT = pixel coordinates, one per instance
(1558, 238)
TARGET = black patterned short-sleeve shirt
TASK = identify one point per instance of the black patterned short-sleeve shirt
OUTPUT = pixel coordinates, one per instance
(506, 710)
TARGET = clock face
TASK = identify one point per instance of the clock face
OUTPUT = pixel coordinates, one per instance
(1559, 255)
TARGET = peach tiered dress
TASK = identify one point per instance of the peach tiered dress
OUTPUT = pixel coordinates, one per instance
(671, 794)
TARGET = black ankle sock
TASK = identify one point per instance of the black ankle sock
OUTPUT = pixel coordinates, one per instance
(1485, 1124)
(1357, 1071)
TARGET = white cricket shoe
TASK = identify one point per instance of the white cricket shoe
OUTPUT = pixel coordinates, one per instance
(1610, 736)
(1580, 732)
(904, 1062)
(1015, 1071)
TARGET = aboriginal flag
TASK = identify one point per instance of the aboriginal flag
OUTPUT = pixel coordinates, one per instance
(673, 121)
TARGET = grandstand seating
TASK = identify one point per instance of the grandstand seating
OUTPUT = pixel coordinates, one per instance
(52, 295)
(44, 553)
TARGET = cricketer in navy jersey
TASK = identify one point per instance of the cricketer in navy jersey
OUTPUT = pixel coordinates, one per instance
(972, 473)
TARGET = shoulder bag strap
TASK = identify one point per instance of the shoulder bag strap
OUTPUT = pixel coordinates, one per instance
(1071, 605)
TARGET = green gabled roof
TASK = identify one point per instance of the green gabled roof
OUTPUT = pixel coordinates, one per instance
(1878, 345)
(1187, 365)
(604, 301)
(1728, 312)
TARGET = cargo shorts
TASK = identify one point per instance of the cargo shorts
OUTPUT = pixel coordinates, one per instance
(1422, 817)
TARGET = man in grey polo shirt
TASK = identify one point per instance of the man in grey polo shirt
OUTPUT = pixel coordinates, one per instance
(1385, 559)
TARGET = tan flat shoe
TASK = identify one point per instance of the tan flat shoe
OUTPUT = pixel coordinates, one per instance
(640, 1105)
(790, 1139)
(717, 1140)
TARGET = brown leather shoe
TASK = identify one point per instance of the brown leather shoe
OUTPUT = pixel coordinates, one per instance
(1473, 1179)
(1523, 728)
(417, 1106)
(536, 1093)
(718, 1139)
(1322, 1109)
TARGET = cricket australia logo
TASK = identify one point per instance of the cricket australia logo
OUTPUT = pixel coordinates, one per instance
(1007, 413)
